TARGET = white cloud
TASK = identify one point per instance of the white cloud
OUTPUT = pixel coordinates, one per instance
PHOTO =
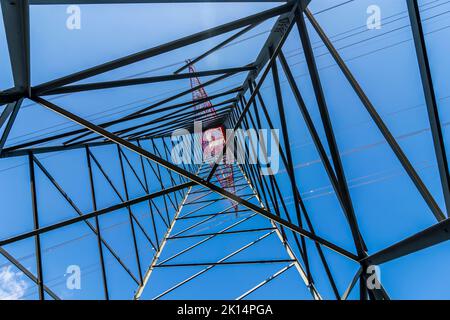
(12, 285)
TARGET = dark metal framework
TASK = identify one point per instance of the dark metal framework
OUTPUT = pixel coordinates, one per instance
(178, 187)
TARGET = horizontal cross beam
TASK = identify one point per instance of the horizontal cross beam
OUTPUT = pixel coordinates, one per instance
(431, 236)
(138, 81)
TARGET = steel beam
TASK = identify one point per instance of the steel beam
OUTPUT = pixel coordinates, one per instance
(17, 27)
(139, 81)
(431, 236)
(11, 95)
(352, 284)
(68, 2)
(97, 224)
(430, 99)
(261, 284)
(290, 165)
(283, 34)
(5, 113)
(274, 39)
(131, 217)
(197, 264)
(37, 239)
(328, 127)
(12, 117)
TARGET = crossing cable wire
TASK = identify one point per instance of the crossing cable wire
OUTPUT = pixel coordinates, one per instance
(265, 87)
(354, 183)
(177, 63)
(159, 68)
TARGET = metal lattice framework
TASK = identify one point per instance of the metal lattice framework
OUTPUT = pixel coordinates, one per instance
(140, 143)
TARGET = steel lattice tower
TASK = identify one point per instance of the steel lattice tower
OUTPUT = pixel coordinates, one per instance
(160, 230)
(223, 173)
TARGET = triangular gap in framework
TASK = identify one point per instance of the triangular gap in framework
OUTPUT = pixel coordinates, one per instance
(105, 159)
(66, 251)
(146, 250)
(377, 214)
(320, 144)
(137, 181)
(283, 284)
(8, 118)
(15, 169)
(22, 287)
(60, 208)
(342, 271)
(120, 284)
(116, 230)
(73, 178)
(25, 127)
(148, 18)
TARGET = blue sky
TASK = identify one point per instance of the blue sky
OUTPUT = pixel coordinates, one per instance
(387, 205)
